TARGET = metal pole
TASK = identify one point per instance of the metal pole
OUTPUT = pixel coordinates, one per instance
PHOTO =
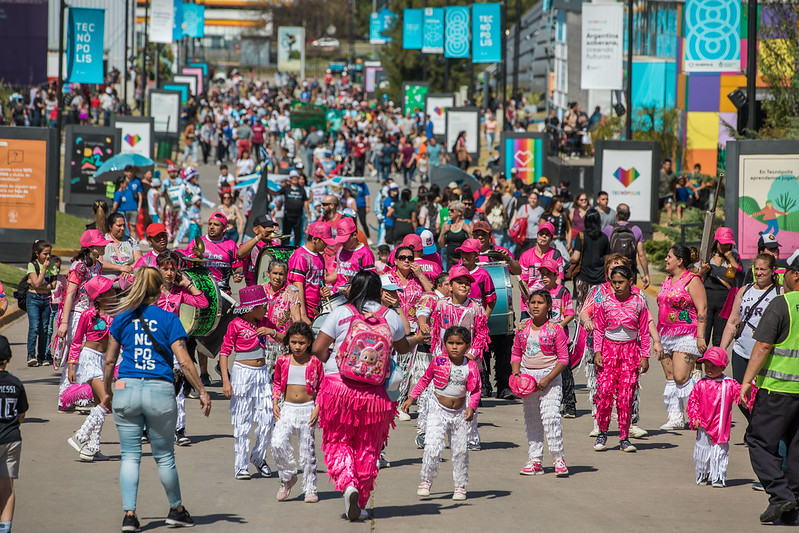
(502, 68)
(446, 59)
(751, 66)
(145, 77)
(516, 48)
(352, 36)
(62, 7)
(125, 61)
(629, 122)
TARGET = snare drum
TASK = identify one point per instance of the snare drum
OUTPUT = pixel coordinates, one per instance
(266, 256)
(502, 320)
(201, 321)
(337, 300)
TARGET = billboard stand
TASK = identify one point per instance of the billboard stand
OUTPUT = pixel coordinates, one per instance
(466, 119)
(85, 150)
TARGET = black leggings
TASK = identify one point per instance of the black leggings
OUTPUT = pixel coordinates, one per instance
(739, 365)
(569, 398)
(295, 225)
(716, 298)
(362, 218)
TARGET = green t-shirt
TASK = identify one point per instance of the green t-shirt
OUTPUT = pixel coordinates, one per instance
(52, 270)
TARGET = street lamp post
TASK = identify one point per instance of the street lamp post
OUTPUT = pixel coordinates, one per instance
(629, 122)
(751, 65)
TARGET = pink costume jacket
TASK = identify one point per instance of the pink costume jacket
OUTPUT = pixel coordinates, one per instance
(438, 372)
(630, 314)
(180, 295)
(552, 340)
(471, 315)
(241, 336)
(278, 311)
(147, 260)
(410, 296)
(314, 372)
(92, 327)
(676, 310)
(710, 406)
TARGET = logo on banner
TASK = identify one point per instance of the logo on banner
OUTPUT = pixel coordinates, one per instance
(712, 41)
(626, 176)
(457, 32)
(523, 157)
(132, 140)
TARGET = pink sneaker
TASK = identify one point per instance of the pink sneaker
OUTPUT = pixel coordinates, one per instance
(285, 489)
(560, 468)
(311, 497)
(532, 468)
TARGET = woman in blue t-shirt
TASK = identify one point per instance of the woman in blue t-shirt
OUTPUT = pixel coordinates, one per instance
(125, 202)
(144, 394)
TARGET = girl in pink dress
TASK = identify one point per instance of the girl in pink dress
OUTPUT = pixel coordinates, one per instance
(540, 350)
(249, 385)
(710, 413)
(621, 351)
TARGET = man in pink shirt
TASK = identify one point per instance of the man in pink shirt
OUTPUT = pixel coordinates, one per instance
(220, 253)
(307, 269)
(531, 260)
(352, 256)
(481, 231)
(482, 288)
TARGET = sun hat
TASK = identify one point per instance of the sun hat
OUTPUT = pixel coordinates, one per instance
(93, 237)
(219, 216)
(550, 265)
(263, 221)
(414, 241)
(768, 240)
(724, 236)
(250, 298)
(97, 286)
(388, 284)
(428, 242)
(546, 226)
(459, 271)
(155, 228)
(481, 225)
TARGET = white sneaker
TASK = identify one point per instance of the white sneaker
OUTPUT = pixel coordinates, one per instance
(424, 489)
(637, 433)
(382, 462)
(402, 415)
(675, 422)
(459, 494)
(595, 431)
(351, 508)
(75, 442)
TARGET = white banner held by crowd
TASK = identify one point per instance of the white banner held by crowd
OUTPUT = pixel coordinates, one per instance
(602, 46)
(162, 13)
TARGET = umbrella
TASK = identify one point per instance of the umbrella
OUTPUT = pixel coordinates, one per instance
(443, 174)
(118, 163)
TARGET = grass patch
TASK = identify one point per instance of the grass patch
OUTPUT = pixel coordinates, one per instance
(68, 229)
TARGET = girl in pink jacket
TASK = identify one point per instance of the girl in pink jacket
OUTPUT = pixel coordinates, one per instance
(298, 375)
(456, 383)
(540, 349)
(621, 351)
(710, 413)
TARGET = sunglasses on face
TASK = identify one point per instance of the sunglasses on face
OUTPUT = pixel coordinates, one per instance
(329, 203)
(404, 258)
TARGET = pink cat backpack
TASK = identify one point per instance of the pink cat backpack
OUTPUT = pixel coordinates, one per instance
(365, 352)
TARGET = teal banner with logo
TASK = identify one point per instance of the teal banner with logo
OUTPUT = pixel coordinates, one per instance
(85, 45)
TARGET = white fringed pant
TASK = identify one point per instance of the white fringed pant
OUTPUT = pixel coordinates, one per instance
(294, 418)
(711, 459)
(251, 402)
(441, 422)
(542, 413)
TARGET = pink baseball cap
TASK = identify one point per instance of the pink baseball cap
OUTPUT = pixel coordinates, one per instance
(414, 241)
(469, 245)
(724, 236)
(344, 230)
(93, 237)
(546, 226)
(459, 271)
(221, 217)
(715, 355)
(323, 231)
(97, 286)
(549, 264)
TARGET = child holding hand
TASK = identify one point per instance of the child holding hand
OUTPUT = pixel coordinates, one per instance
(456, 382)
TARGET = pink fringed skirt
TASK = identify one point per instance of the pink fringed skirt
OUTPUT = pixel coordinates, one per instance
(361, 410)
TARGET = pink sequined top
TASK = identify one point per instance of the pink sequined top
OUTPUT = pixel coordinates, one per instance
(630, 314)
(710, 406)
(438, 372)
(147, 260)
(93, 326)
(314, 372)
(278, 311)
(470, 315)
(180, 295)
(241, 336)
(676, 310)
(550, 346)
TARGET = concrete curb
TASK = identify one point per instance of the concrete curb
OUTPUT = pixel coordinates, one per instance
(11, 316)
(68, 253)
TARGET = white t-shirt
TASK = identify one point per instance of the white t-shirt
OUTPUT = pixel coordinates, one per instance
(153, 201)
(335, 326)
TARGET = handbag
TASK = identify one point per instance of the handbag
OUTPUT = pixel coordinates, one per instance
(574, 268)
(739, 327)
(178, 375)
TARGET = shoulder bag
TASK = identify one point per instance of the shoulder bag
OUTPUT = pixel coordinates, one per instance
(178, 375)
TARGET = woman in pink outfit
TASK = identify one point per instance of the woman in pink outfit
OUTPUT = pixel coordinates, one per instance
(621, 351)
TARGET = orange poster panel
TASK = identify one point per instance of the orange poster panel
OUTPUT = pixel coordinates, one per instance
(23, 175)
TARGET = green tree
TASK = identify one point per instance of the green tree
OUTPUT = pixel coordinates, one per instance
(661, 125)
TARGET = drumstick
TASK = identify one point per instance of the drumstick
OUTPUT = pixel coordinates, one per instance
(228, 298)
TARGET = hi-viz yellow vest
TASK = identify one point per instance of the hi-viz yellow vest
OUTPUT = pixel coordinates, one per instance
(780, 373)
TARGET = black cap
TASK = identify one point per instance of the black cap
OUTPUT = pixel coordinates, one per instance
(5, 350)
(263, 221)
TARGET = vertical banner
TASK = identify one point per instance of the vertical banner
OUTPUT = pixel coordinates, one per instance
(190, 79)
(463, 119)
(194, 20)
(525, 152)
(85, 45)
(436, 106)
(603, 47)
(177, 20)
(433, 30)
(712, 35)
(136, 135)
(414, 94)
(486, 33)
(456, 34)
(291, 49)
(379, 24)
(412, 29)
(165, 110)
(198, 72)
(162, 17)
(23, 29)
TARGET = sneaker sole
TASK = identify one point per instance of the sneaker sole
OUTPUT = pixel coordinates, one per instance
(33, 362)
(183, 442)
(423, 493)
(459, 498)
(562, 474)
(86, 458)
(130, 529)
(353, 510)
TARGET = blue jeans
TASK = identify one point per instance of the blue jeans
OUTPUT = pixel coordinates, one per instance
(150, 403)
(38, 308)
(53, 313)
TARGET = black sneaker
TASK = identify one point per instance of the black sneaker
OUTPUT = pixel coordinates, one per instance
(205, 379)
(130, 523)
(181, 439)
(601, 441)
(48, 361)
(145, 438)
(569, 412)
(774, 511)
(179, 518)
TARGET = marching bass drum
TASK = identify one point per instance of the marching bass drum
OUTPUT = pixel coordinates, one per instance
(201, 321)
(266, 256)
(337, 300)
(503, 319)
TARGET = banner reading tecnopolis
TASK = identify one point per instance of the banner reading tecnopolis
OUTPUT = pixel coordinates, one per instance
(603, 44)
(628, 172)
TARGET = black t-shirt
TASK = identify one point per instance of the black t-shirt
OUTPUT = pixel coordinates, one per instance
(775, 324)
(293, 200)
(592, 268)
(13, 402)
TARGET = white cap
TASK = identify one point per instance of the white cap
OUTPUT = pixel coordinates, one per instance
(294, 174)
(388, 284)
(196, 198)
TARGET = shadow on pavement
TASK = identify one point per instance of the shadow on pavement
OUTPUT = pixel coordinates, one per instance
(641, 445)
(739, 482)
(156, 523)
(34, 420)
(407, 461)
(498, 445)
(197, 439)
(418, 509)
(581, 469)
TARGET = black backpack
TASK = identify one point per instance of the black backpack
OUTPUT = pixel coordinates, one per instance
(21, 294)
(622, 241)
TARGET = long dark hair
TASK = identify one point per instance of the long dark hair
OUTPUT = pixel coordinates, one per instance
(495, 200)
(302, 329)
(405, 197)
(112, 219)
(593, 223)
(552, 202)
(364, 286)
(38, 246)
